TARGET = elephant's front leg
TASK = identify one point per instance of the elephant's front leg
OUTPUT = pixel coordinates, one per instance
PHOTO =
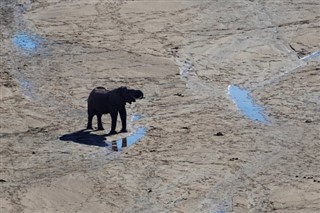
(123, 116)
(114, 116)
(100, 126)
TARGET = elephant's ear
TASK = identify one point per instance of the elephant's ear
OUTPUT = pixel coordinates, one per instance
(125, 94)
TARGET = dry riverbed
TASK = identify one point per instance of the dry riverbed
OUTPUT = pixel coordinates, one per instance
(229, 123)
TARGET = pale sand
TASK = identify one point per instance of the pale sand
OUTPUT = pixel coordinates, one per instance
(180, 165)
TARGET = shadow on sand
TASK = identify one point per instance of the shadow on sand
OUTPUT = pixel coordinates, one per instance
(85, 137)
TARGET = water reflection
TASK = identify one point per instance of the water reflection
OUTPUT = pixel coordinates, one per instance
(121, 143)
(242, 98)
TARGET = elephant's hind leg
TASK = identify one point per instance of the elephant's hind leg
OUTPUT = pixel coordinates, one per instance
(90, 117)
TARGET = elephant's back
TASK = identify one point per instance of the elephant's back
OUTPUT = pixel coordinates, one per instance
(98, 92)
(97, 97)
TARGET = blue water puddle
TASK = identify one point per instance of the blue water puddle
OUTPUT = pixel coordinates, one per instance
(311, 56)
(138, 134)
(26, 87)
(135, 118)
(27, 42)
(121, 143)
(245, 103)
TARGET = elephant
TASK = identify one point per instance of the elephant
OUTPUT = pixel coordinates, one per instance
(102, 101)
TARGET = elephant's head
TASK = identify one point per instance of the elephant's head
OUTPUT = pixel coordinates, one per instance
(130, 95)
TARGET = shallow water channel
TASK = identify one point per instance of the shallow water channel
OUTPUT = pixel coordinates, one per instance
(311, 56)
(26, 44)
(246, 104)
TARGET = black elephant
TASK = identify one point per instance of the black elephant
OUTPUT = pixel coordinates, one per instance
(102, 101)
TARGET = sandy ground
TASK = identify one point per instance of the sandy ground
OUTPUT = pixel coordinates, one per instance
(183, 55)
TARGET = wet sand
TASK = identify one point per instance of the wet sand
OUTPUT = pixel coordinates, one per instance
(196, 150)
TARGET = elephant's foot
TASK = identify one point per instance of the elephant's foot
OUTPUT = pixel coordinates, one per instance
(100, 128)
(124, 130)
(112, 132)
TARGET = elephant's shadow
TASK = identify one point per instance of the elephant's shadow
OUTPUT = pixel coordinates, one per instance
(85, 137)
